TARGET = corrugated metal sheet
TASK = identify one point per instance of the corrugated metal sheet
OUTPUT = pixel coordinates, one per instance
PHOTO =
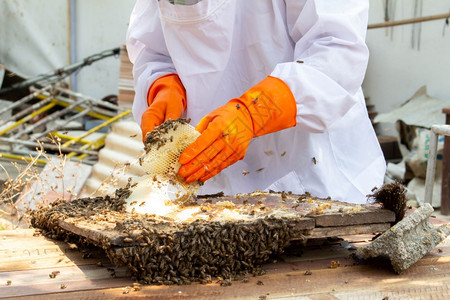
(118, 160)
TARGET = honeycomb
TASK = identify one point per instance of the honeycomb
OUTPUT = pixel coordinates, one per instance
(161, 187)
(164, 146)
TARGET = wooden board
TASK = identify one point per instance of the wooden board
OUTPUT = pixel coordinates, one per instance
(323, 232)
(321, 217)
(27, 261)
(285, 279)
(370, 215)
(217, 237)
(97, 232)
(21, 250)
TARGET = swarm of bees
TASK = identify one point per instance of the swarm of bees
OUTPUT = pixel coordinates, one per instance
(159, 250)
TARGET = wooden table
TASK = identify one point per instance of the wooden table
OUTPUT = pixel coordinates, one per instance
(339, 219)
(445, 197)
(27, 261)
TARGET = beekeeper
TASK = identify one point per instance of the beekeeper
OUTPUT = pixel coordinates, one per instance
(273, 86)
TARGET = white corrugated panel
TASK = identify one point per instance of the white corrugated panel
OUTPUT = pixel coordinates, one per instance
(118, 160)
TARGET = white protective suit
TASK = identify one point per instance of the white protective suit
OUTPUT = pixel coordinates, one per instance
(221, 48)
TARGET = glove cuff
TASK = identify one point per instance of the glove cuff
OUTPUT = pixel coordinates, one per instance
(168, 86)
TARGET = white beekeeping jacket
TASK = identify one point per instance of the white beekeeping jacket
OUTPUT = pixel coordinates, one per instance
(221, 48)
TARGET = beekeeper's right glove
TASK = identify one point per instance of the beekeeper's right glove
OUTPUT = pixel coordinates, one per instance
(226, 132)
(166, 99)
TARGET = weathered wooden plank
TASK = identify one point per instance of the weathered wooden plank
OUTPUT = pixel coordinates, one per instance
(100, 231)
(74, 278)
(20, 250)
(283, 280)
(364, 217)
(304, 224)
(322, 232)
(93, 231)
(288, 281)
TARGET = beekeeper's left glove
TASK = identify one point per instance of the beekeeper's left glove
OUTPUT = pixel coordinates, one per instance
(226, 132)
(166, 100)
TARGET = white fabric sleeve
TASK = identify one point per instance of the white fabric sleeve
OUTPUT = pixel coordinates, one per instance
(147, 51)
(329, 38)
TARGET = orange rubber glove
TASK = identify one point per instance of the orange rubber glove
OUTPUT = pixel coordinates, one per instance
(166, 99)
(267, 107)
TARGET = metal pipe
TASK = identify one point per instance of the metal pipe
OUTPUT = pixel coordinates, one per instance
(409, 21)
(105, 114)
(90, 145)
(97, 128)
(73, 41)
(68, 137)
(19, 157)
(26, 111)
(27, 118)
(47, 146)
(429, 181)
(63, 72)
(74, 117)
(25, 99)
(94, 111)
(49, 118)
(431, 165)
(93, 100)
(441, 129)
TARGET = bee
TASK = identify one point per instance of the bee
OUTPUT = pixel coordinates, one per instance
(127, 240)
(314, 160)
(260, 169)
(300, 61)
(335, 264)
(62, 286)
(255, 100)
(225, 134)
(133, 135)
(73, 246)
(238, 106)
(245, 172)
(283, 154)
(136, 286)
(141, 160)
